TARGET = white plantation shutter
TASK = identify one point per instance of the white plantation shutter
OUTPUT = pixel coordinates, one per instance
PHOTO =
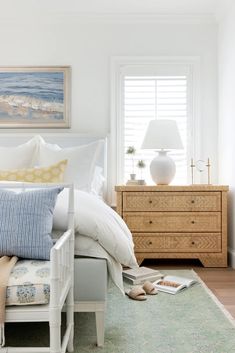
(154, 97)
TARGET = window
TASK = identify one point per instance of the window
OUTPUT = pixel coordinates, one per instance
(154, 97)
(146, 88)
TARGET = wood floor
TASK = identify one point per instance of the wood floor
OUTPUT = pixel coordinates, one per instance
(221, 281)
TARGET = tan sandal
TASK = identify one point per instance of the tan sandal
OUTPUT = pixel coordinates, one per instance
(136, 293)
(149, 288)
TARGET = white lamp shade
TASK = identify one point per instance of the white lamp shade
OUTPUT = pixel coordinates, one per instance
(162, 134)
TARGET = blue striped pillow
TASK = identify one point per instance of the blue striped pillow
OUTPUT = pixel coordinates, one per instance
(26, 222)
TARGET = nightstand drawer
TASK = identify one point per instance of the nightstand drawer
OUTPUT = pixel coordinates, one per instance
(172, 201)
(163, 242)
(173, 221)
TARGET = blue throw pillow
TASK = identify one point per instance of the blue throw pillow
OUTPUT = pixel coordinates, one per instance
(26, 222)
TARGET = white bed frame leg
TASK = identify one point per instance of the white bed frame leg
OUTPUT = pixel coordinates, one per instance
(99, 309)
(99, 317)
(55, 331)
(70, 319)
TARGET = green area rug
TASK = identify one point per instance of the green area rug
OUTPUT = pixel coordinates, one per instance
(188, 322)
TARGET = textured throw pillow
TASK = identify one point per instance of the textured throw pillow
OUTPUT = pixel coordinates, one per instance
(22, 156)
(81, 161)
(51, 174)
(26, 222)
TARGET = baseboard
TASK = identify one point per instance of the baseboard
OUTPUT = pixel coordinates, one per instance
(231, 257)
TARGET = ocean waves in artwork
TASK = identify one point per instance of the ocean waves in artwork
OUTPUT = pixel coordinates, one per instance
(18, 106)
(32, 96)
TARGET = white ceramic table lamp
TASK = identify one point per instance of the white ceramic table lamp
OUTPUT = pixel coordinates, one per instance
(162, 135)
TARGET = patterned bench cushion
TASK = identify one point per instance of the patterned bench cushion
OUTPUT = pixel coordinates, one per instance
(29, 283)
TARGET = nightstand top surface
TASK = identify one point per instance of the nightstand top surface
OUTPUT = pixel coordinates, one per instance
(195, 187)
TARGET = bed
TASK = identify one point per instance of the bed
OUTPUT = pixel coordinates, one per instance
(103, 243)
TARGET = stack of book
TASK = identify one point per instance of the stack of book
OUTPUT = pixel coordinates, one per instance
(139, 275)
(132, 182)
(136, 182)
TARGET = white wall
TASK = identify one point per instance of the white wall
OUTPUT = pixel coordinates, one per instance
(227, 116)
(88, 47)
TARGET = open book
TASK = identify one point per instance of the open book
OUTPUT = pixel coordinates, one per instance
(173, 284)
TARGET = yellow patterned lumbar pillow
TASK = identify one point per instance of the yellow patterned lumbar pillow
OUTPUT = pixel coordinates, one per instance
(51, 174)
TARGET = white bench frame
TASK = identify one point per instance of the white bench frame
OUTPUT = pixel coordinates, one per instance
(61, 288)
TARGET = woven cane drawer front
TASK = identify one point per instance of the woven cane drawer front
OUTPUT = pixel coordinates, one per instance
(173, 221)
(172, 201)
(165, 242)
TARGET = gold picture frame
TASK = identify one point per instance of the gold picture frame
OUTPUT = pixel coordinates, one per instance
(35, 97)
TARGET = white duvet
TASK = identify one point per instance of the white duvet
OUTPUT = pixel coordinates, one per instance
(102, 231)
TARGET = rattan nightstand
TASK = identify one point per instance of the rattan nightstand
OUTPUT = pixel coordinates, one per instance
(187, 222)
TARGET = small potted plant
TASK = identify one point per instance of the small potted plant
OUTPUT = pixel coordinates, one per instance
(141, 165)
(131, 152)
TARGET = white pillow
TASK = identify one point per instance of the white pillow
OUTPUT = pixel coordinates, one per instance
(19, 157)
(81, 161)
(97, 185)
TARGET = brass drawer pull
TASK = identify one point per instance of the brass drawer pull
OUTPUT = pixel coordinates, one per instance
(193, 243)
(150, 243)
(193, 222)
(150, 222)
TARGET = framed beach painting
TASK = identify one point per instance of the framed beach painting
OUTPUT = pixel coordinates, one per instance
(35, 97)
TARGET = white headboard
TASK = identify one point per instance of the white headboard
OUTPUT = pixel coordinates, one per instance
(63, 140)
